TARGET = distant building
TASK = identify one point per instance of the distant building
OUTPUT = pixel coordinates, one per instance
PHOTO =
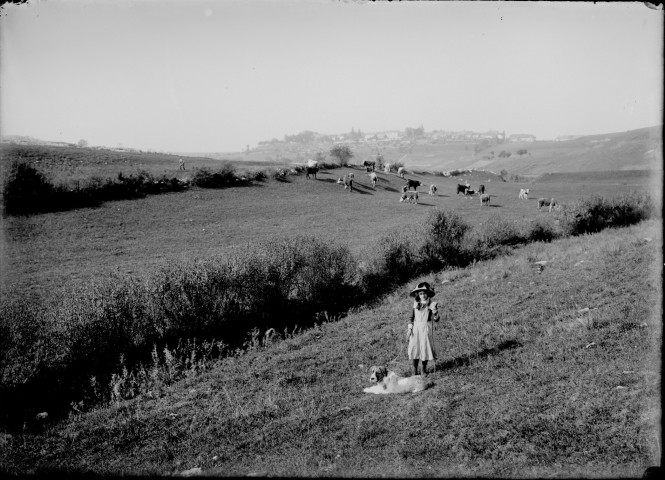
(522, 137)
(565, 138)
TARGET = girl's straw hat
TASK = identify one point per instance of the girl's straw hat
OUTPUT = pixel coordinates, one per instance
(422, 287)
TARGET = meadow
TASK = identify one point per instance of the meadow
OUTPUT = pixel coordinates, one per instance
(541, 373)
(303, 385)
(42, 253)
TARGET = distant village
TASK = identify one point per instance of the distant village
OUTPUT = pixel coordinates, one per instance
(313, 140)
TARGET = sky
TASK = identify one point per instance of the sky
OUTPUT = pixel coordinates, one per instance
(218, 76)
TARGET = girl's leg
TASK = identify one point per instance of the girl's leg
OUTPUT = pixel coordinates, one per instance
(425, 367)
(415, 366)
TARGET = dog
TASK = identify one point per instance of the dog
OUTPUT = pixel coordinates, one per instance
(389, 382)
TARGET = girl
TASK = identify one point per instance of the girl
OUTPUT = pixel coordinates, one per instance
(421, 327)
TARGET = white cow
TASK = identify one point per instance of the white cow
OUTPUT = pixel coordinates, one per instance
(400, 172)
(432, 189)
(386, 167)
(484, 199)
(372, 177)
(524, 194)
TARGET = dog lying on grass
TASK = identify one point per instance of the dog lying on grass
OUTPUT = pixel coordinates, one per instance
(389, 382)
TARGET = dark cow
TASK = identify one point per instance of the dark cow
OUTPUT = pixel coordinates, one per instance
(413, 183)
(311, 171)
(481, 189)
(369, 166)
(461, 189)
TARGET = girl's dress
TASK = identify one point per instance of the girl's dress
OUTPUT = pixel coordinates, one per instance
(421, 342)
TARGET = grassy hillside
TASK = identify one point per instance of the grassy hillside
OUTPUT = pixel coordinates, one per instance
(633, 150)
(43, 253)
(541, 372)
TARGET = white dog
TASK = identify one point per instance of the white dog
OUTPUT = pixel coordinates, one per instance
(390, 382)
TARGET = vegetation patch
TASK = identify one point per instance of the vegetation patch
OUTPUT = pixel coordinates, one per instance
(517, 390)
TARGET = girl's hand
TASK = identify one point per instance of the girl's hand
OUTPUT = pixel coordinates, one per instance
(434, 306)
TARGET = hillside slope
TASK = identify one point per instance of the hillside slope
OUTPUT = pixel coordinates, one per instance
(635, 150)
(531, 381)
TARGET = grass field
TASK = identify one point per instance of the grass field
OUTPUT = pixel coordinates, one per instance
(551, 373)
(528, 383)
(43, 252)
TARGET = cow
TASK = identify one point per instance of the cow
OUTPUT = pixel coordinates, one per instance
(411, 197)
(461, 189)
(524, 194)
(400, 172)
(404, 188)
(484, 199)
(181, 164)
(469, 192)
(311, 171)
(347, 181)
(432, 189)
(386, 167)
(372, 177)
(413, 183)
(481, 189)
(369, 165)
(544, 202)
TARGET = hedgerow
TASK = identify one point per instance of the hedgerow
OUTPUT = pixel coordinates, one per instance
(69, 348)
(27, 191)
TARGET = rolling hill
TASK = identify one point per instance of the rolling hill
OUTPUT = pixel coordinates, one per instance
(634, 150)
(640, 149)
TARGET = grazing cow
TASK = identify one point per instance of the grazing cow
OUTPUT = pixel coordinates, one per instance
(413, 183)
(311, 171)
(469, 192)
(347, 181)
(411, 197)
(400, 172)
(372, 177)
(461, 189)
(369, 165)
(524, 194)
(484, 199)
(543, 202)
(386, 167)
(432, 189)
(481, 189)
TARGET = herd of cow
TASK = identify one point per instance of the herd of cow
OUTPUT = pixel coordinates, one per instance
(412, 196)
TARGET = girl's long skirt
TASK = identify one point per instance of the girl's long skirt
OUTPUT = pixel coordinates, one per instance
(421, 343)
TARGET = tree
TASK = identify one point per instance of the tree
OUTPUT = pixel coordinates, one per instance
(342, 153)
(82, 143)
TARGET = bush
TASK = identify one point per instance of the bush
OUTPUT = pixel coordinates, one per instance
(53, 352)
(223, 177)
(26, 190)
(595, 213)
(497, 236)
(543, 229)
(392, 261)
(441, 235)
